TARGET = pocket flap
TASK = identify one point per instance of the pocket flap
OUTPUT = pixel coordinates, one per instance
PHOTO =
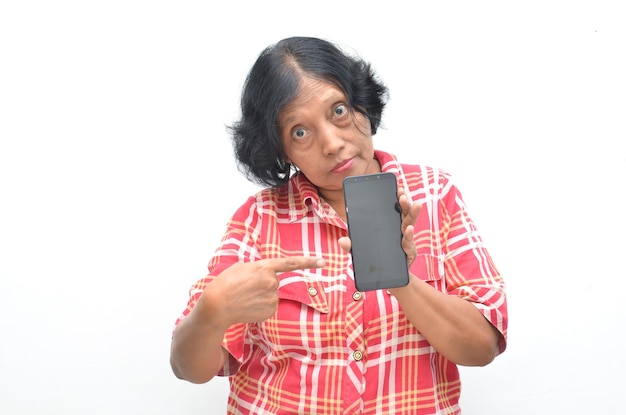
(303, 288)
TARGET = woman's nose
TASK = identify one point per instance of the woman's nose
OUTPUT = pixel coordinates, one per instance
(331, 140)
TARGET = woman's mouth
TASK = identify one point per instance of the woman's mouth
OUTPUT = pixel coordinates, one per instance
(343, 166)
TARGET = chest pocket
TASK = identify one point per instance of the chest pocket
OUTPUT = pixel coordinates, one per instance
(297, 286)
(429, 268)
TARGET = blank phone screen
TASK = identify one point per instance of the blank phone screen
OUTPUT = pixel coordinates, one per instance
(374, 222)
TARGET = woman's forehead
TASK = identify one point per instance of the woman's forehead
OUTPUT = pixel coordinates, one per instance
(312, 91)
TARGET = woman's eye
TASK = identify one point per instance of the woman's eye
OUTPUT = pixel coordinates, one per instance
(299, 133)
(340, 110)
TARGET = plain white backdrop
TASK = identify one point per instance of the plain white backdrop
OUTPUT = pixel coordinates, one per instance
(117, 179)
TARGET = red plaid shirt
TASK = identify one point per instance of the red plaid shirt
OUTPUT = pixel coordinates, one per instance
(330, 349)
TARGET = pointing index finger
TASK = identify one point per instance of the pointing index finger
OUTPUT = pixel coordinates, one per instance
(293, 263)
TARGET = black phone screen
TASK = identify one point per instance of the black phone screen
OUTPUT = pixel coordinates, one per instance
(374, 220)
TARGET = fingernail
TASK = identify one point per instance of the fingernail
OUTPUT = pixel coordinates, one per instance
(320, 263)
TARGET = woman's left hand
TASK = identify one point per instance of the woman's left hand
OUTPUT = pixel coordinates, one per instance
(410, 211)
(409, 215)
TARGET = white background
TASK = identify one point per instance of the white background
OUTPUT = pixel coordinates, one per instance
(117, 178)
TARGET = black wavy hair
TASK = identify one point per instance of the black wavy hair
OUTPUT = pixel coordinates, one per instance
(273, 82)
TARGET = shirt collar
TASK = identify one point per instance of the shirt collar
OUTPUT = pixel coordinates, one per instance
(302, 197)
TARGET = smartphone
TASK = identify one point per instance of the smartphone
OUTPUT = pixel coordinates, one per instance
(374, 225)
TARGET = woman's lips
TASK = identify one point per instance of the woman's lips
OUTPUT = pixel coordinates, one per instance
(343, 166)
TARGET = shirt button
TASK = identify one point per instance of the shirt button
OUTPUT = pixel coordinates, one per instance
(357, 296)
(357, 355)
(312, 291)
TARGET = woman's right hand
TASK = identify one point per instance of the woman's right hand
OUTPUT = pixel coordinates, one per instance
(242, 293)
(248, 292)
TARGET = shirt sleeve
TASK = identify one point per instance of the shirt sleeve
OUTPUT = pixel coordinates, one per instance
(238, 244)
(469, 269)
(451, 254)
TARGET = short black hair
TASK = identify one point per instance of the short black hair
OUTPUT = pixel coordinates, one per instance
(273, 82)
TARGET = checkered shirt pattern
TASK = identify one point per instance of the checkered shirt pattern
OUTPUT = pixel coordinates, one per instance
(331, 349)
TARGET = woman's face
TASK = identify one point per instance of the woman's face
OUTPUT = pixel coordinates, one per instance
(324, 139)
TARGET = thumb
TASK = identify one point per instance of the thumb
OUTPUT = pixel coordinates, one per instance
(345, 243)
